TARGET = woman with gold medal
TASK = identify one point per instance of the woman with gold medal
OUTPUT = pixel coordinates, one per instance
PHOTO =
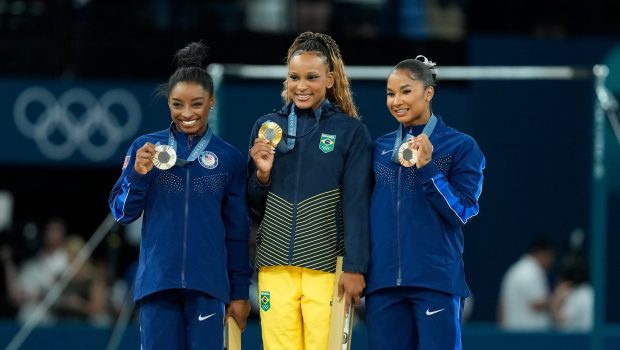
(309, 185)
(428, 177)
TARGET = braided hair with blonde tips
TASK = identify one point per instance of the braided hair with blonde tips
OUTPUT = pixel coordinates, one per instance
(326, 48)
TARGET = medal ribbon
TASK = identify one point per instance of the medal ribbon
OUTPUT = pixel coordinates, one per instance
(292, 127)
(172, 142)
(428, 130)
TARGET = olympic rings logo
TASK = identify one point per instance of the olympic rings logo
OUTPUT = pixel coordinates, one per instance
(77, 120)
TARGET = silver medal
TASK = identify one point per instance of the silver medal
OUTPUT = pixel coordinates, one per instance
(165, 157)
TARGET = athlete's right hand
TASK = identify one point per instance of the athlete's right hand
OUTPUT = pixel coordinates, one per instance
(351, 285)
(263, 153)
(144, 158)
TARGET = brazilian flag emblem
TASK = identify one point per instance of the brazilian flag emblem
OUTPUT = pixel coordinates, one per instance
(327, 143)
(265, 301)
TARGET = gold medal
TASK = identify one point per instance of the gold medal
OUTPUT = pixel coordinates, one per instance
(271, 132)
(407, 156)
(165, 157)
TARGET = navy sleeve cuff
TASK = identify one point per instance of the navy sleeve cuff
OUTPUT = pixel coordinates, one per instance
(239, 291)
(257, 194)
(256, 184)
(349, 267)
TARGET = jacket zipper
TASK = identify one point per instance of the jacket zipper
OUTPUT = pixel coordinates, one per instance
(185, 222)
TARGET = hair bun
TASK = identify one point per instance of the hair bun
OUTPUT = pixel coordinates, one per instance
(425, 60)
(192, 55)
(430, 64)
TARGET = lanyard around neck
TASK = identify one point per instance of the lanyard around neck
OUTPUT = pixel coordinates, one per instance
(200, 147)
(291, 133)
(428, 130)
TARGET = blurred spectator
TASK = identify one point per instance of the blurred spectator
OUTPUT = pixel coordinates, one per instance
(85, 297)
(572, 302)
(468, 307)
(358, 18)
(524, 294)
(6, 211)
(122, 289)
(268, 16)
(9, 276)
(446, 19)
(37, 274)
(413, 19)
(423, 19)
(6, 221)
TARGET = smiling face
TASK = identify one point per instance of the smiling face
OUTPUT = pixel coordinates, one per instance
(189, 105)
(308, 80)
(407, 98)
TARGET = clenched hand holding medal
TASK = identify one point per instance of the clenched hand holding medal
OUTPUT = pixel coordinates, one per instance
(406, 153)
(164, 157)
(269, 135)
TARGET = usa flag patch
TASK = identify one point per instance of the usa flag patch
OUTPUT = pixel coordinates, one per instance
(126, 162)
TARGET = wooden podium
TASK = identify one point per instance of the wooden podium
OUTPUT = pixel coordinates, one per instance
(233, 335)
(340, 326)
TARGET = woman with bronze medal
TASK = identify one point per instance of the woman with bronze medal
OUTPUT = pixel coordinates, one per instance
(190, 188)
(309, 185)
(428, 177)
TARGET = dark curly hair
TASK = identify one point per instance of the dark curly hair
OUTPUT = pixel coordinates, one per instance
(190, 68)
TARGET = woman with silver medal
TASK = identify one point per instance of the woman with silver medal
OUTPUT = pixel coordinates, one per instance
(189, 187)
(428, 177)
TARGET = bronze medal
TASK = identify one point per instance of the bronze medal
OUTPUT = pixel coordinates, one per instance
(271, 132)
(165, 157)
(407, 156)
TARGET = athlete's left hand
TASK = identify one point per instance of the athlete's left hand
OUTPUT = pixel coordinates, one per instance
(352, 285)
(239, 310)
(425, 149)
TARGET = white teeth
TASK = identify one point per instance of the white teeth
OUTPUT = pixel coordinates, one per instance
(303, 97)
(400, 111)
(188, 122)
